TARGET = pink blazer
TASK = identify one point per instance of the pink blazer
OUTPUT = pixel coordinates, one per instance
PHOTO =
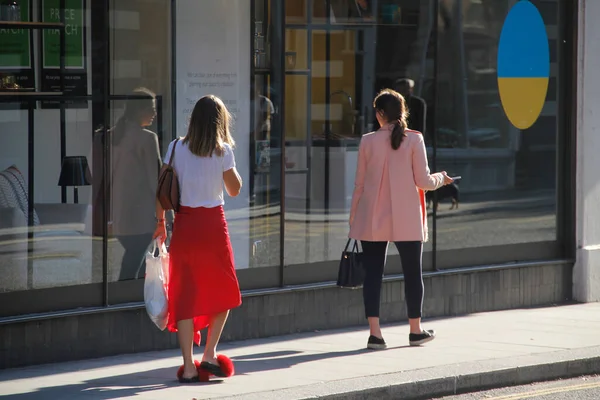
(388, 203)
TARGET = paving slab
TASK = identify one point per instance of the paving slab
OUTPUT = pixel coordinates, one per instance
(472, 352)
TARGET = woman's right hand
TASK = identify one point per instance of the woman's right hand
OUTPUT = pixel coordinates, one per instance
(161, 232)
(447, 179)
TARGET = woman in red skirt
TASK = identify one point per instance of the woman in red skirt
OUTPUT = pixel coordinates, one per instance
(203, 286)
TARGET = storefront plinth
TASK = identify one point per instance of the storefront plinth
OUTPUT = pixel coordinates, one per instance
(586, 275)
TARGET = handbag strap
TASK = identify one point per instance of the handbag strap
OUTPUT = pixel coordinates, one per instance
(347, 245)
(354, 248)
(173, 152)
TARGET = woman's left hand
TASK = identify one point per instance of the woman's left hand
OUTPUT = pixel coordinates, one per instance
(447, 179)
(161, 232)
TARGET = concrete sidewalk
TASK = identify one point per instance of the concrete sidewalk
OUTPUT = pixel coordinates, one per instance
(471, 352)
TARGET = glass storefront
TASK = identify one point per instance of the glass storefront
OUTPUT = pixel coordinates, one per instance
(93, 92)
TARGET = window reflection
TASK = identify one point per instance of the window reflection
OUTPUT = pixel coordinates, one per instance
(450, 81)
(311, 81)
(370, 45)
(136, 135)
(135, 161)
(46, 236)
(507, 191)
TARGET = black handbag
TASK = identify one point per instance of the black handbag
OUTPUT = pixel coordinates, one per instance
(351, 274)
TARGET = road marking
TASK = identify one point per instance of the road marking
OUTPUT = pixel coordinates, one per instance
(544, 392)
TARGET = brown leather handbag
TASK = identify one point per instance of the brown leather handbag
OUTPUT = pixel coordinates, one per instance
(167, 192)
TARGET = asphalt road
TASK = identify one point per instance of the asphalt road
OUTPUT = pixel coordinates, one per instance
(584, 388)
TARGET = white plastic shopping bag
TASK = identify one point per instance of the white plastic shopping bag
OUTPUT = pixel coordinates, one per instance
(155, 286)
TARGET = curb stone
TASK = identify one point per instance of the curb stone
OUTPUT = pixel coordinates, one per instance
(455, 385)
(448, 380)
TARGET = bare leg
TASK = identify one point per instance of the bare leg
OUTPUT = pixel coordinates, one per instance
(215, 328)
(185, 335)
(415, 325)
(374, 327)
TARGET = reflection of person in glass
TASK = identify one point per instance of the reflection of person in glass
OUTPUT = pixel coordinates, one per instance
(135, 161)
(266, 110)
(264, 156)
(203, 286)
(343, 10)
(417, 108)
(260, 142)
(388, 205)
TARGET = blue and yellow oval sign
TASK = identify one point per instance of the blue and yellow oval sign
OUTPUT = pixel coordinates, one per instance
(523, 64)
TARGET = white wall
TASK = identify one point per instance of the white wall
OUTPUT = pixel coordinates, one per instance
(586, 275)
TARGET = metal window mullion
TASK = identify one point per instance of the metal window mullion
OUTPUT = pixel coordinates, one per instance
(105, 148)
(278, 78)
(434, 130)
(62, 112)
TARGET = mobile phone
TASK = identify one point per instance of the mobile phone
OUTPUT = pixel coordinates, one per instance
(455, 177)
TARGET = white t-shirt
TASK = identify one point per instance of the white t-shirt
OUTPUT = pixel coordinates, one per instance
(200, 178)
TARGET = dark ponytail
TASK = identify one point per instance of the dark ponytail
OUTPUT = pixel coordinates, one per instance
(398, 133)
(393, 107)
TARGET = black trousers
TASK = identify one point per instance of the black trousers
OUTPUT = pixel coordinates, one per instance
(375, 254)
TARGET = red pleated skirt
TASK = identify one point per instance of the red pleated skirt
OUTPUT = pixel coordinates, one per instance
(202, 280)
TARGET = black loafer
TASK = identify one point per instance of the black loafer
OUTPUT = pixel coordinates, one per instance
(417, 339)
(376, 343)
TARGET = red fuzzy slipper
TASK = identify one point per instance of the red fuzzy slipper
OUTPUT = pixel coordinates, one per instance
(225, 368)
(195, 379)
(203, 375)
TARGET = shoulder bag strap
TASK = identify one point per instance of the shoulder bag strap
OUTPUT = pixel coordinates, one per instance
(347, 245)
(173, 152)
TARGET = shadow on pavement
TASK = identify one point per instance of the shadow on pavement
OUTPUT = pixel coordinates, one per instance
(107, 388)
(119, 386)
(247, 365)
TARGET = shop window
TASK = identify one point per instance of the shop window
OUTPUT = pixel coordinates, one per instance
(508, 186)
(46, 218)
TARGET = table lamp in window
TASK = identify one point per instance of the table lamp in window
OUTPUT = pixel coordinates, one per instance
(75, 172)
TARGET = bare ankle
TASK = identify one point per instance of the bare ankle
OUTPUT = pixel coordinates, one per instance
(415, 325)
(210, 355)
(374, 327)
(376, 332)
(189, 369)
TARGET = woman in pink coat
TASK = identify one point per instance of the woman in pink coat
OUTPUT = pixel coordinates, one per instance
(388, 206)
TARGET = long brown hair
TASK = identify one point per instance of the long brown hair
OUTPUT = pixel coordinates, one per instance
(209, 127)
(393, 107)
